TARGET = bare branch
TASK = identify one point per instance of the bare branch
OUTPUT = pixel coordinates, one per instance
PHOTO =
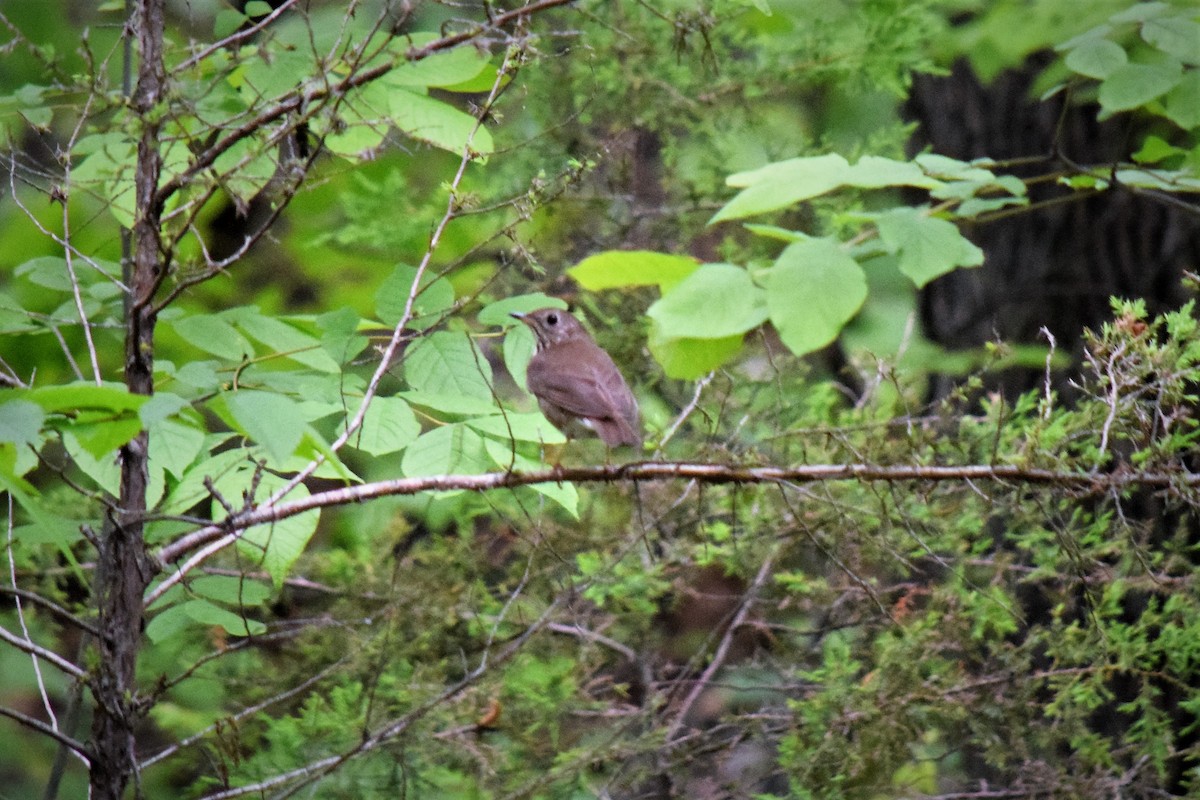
(78, 747)
(222, 534)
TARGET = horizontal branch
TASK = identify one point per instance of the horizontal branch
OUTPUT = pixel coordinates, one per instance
(641, 471)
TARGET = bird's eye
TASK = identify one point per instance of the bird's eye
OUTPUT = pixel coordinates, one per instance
(552, 319)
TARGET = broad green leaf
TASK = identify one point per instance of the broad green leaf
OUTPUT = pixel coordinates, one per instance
(270, 419)
(231, 590)
(245, 168)
(1166, 180)
(946, 168)
(21, 421)
(1182, 103)
(200, 375)
(874, 172)
(1096, 58)
(388, 427)
(442, 68)
(207, 613)
(102, 432)
(227, 21)
(504, 458)
(107, 171)
(160, 406)
(1133, 85)
(446, 450)
(522, 427)
(75, 396)
(434, 298)
(518, 352)
(364, 119)
(454, 404)
(689, 359)
(813, 290)
(446, 362)
(178, 619)
(1175, 35)
(213, 334)
(714, 302)
(1140, 12)
(928, 247)
(274, 69)
(332, 467)
(438, 123)
(497, 313)
(191, 489)
(175, 445)
(103, 470)
(274, 545)
(283, 338)
(783, 184)
(340, 336)
(623, 268)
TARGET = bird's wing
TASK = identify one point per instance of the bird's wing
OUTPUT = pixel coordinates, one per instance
(584, 382)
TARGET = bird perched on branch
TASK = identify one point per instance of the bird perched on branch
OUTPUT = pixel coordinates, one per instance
(576, 383)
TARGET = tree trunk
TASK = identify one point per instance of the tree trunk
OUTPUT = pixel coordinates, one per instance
(122, 569)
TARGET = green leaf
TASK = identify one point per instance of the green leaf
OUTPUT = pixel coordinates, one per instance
(363, 121)
(270, 419)
(234, 591)
(510, 426)
(714, 302)
(440, 124)
(283, 338)
(1133, 85)
(340, 336)
(103, 469)
(21, 422)
(783, 184)
(563, 493)
(497, 313)
(102, 432)
(443, 68)
(258, 8)
(177, 619)
(447, 450)
(624, 268)
(227, 21)
(446, 362)
(813, 290)
(688, 359)
(1176, 35)
(175, 445)
(1096, 58)
(213, 334)
(435, 297)
(1182, 103)
(454, 404)
(75, 396)
(160, 406)
(518, 352)
(874, 172)
(928, 247)
(191, 489)
(388, 427)
(1140, 12)
(274, 545)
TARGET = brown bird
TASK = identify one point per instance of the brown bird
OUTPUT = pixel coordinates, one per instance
(576, 383)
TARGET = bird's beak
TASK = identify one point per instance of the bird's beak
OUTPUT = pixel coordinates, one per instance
(518, 315)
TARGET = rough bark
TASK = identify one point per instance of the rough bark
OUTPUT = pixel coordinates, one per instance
(122, 570)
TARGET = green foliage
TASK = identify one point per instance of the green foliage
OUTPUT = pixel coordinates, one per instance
(336, 188)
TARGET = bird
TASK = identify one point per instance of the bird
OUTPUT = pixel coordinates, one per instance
(576, 383)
